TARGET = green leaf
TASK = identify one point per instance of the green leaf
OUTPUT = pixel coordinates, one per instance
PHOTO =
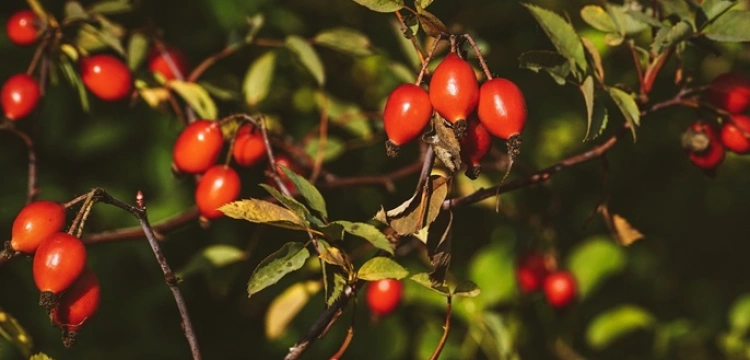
(137, 50)
(197, 97)
(615, 323)
(111, 7)
(289, 258)
(367, 232)
(339, 284)
(670, 36)
(381, 267)
(385, 6)
(557, 66)
(263, 212)
(307, 56)
(309, 192)
(713, 8)
(562, 35)
(594, 57)
(681, 8)
(74, 11)
(345, 40)
(424, 280)
(72, 75)
(258, 79)
(254, 24)
(287, 305)
(347, 115)
(212, 257)
(596, 111)
(423, 3)
(732, 26)
(594, 261)
(15, 334)
(587, 89)
(466, 288)
(293, 205)
(598, 18)
(431, 25)
(626, 21)
(627, 105)
(334, 148)
(739, 315)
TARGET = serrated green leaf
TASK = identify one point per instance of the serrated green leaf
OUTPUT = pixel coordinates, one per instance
(367, 232)
(628, 107)
(739, 315)
(309, 192)
(334, 148)
(287, 305)
(424, 280)
(598, 18)
(293, 205)
(467, 288)
(732, 26)
(137, 49)
(339, 283)
(615, 323)
(713, 8)
(197, 97)
(557, 66)
(562, 35)
(258, 79)
(307, 56)
(381, 267)
(289, 258)
(212, 257)
(385, 6)
(15, 334)
(345, 40)
(263, 212)
(668, 37)
(625, 21)
(594, 261)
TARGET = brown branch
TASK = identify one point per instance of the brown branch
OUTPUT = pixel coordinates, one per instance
(31, 191)
(446, 328)
(385, 180)
(203, 66)
(132, 233)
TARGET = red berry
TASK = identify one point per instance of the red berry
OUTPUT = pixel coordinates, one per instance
(735, 134)
(474, 146)
(249, 147)
(729, 91)
(559, 289)
(502, 108)
(22, 28)
(198, 147)
(20, 95)
(34, 223)
(106, 77)
(158, 63)
(218, 186)
(454, 91)
(78, 303)
(531, 271)
(58, 262)
(283, 160)
(711, 154)
(407, 112)
(383, 296)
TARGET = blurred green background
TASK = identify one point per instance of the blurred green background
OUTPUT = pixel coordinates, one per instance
(684, 276)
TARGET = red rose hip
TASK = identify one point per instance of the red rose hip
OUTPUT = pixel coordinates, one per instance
(58, 262)
(474, 146)
(249, 146)
(502, 108)
(19, 96)
(559, 289)
(23, 27)
(160, 64)
(407, 112)
(729, 91)
(454, 91)
(383, 296)
(218, 186)
(198, 147)
(106, 77)
(703, 145)
(735, 134)
(531, 271)
(77, 305)
(35, 223)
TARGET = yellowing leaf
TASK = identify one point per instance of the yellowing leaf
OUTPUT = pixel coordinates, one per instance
(263, 212)
(615, 323)
(286, 306)
(197, 97)
(382, 5)
(381, 267)
(419, 211)
(626, 233)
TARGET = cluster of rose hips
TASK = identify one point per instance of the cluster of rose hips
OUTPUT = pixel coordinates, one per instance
(69, 290)
(729, 92)
(474, 112)
(197, 150)
(383, 296)
(534, 272)
(104, 75)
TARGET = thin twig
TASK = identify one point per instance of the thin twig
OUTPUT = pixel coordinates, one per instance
(412, 38)
(446, 328)
(31, 191)
(140, 213)
(203, 66)
(479, 56)
(132, 233)
(427, 61)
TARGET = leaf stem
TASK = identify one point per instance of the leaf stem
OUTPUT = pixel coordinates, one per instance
(446, 329)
